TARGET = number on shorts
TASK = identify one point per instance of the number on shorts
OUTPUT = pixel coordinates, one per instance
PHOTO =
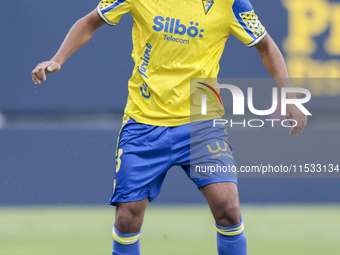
(120, 152)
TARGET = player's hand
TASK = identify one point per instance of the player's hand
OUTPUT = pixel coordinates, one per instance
(39, 73)
(293, 112)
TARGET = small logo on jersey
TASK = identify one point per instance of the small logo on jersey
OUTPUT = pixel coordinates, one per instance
(143, 68)
(253, 23)
(207, 5)
(144, 91)
(104, 4)
(174, 27)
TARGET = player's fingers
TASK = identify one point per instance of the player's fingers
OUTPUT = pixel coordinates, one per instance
(35, 79)
(294, 123)
(36, 74)
(300, 125)
(33, 76)
(53, 67)
(294, 131)
(50, 69)
(39, 73)
(42, 70)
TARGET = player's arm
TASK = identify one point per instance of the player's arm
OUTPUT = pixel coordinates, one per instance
(275, 64)
(80, 34)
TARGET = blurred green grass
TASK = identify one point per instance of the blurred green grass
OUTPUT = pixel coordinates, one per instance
(313, 229)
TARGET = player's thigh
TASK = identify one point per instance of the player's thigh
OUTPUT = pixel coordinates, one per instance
(142, 161)
(223, 200)
(211, 154)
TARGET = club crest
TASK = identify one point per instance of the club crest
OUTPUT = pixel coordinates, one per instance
(207, 5)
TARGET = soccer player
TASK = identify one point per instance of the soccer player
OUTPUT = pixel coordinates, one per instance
(174, 41)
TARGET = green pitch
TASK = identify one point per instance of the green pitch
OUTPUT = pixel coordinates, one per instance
(168, 230)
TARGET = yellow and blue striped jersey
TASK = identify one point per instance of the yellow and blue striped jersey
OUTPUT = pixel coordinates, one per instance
(174, 41)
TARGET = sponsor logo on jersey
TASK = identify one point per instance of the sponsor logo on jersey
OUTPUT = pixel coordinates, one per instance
(143, 68)
(173, 27)
(144, 91)
(253, 23)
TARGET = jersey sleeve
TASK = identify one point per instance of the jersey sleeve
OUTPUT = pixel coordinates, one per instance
(112, 10)
(245, 24)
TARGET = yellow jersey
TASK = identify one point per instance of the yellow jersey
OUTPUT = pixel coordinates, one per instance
(174, 41)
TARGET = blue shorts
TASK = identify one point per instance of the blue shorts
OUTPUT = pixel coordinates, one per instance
(145, 153)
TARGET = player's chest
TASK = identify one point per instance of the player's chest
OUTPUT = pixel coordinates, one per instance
(190, 18)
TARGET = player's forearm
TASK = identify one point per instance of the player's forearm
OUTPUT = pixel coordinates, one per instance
(274, 62)
(272, 58)
(79, 34)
